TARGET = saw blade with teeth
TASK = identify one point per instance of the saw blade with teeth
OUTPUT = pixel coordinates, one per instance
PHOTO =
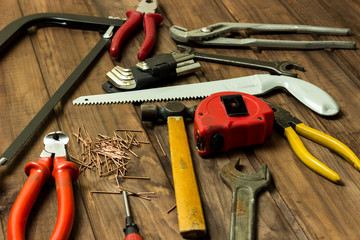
(178, 92)
(310, 95)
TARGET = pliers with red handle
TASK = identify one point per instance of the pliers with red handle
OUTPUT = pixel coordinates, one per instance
(145, 10)
(64, 172)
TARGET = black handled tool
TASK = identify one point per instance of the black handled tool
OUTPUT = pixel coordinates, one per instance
(14, 29)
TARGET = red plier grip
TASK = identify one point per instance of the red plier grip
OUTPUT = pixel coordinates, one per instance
(149, 23)
(39, 172)
(134, 20)
(64, 173)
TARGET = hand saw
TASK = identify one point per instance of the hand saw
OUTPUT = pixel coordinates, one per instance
(310, 95)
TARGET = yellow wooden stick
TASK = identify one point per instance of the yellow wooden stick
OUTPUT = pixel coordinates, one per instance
(188, 203)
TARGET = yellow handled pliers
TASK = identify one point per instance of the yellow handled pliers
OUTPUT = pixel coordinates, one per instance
(288, 126)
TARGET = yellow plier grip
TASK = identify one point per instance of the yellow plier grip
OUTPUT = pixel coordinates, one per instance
(307, 158)
(324, 139)
(329, 142)
(290, 126)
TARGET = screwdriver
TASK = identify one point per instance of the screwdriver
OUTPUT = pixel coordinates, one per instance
(131, 230)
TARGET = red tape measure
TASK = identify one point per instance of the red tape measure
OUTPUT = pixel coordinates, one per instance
(228, 120)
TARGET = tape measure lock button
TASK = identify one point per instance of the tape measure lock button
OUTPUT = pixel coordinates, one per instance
(234, 105)
(228, 120)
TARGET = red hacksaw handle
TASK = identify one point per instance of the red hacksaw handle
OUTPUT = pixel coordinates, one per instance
(38, 173)
(150, 22)
(134, 20)
(65, 173)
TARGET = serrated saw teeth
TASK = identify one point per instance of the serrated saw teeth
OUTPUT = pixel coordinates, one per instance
(314, 97)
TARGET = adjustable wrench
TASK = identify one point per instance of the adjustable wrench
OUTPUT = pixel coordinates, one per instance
(276, 68)
(245, 187)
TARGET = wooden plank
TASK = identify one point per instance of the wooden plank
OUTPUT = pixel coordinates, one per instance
(316, 213)
(211, 187)
(20, 82)
(336, 17)
(298, 205)
(106, 213)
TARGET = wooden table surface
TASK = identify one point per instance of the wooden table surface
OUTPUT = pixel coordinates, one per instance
(299, 204)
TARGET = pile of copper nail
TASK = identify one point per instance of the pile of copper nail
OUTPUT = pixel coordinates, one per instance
(107, 155)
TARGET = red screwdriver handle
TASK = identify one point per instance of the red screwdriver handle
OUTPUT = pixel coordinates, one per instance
(39, 172)
(131, 230)
(133, 236)
(150, 22)
(65, 173)
(134, 20)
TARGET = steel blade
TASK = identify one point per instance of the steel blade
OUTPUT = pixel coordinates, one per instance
(310, 95)
(187, 91)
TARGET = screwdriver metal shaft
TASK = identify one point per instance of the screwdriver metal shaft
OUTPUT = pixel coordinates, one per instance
(131, 230)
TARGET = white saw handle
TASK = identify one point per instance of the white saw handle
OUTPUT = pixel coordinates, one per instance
(309, 94)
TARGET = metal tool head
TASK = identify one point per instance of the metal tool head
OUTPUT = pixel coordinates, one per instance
(147, 6)
(153, 113)
(274, 67)
(185, 49)
(234, 178)
(282, 118)
(179, 34)
(57, 136)
(55, 144)
(285, 67)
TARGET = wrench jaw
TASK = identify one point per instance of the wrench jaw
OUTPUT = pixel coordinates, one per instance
(245, 188)
(185, 49)
(273, 67)
(285, 67)
(232, 177)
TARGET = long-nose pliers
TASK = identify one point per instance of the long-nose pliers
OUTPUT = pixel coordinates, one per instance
(288, 126)
(64, 172)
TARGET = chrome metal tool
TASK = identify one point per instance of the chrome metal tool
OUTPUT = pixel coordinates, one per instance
(245, 188)
(273, 67)
(310, 95)
(212, 36)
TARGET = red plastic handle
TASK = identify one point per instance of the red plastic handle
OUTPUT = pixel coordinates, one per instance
(133, 236)
(38, 173)
(134, 20)
(65, 173)
(150, 22)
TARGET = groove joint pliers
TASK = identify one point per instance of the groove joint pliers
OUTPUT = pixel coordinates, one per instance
(288, 126)
(218, 35)
(64, 172)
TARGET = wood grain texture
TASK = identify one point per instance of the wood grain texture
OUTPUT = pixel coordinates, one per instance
(298, 205)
